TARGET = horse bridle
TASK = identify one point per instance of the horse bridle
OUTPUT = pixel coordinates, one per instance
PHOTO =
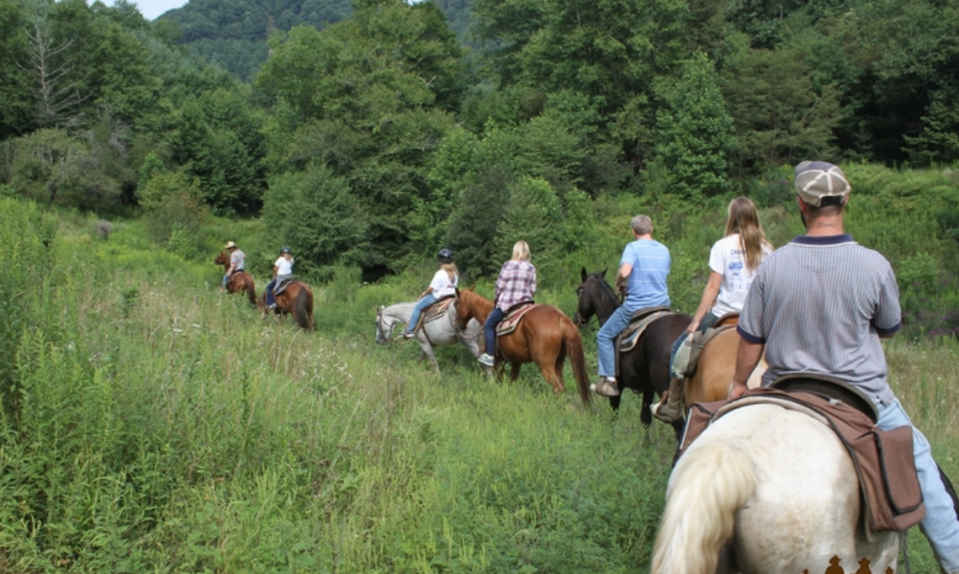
(379, 327)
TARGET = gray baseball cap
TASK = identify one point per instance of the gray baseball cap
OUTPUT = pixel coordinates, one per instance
(818, 180)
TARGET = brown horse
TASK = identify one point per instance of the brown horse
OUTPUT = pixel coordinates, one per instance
(715, 368)
(645, 369)
(239, 281)
(545, 336)
(297, 300)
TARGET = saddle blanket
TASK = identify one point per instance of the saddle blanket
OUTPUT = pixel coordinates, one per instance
(434, 311)
(510, 321)
(277, 289)
(637, 325)
(883, 460)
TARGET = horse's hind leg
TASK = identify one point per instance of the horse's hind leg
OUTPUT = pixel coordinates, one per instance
(646, 415)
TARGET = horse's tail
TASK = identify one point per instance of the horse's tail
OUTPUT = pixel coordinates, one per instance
(250, 291)
(303, 308)
(574, 348)
(708, 486)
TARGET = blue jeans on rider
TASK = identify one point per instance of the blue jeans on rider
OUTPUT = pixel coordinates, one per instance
(422, 304)
(605, 340)
(226, 276)
(706, 322)
(489, 328)
(940, 524)
(270, 299)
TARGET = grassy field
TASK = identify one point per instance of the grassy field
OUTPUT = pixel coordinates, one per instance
(151, 424)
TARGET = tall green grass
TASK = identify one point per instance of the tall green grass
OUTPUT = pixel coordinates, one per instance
(153, 424)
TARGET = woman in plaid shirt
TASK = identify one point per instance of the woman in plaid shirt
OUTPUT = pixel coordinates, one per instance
(516, 284)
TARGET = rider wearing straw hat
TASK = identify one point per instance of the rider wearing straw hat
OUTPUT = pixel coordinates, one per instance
(237, 259)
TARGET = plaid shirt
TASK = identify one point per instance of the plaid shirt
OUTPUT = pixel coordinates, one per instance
(516, 283)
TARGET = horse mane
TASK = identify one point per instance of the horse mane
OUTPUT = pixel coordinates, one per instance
(607, 288)
(474, 300)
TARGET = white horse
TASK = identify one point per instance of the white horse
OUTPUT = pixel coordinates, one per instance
(440, 332)
(766, 490)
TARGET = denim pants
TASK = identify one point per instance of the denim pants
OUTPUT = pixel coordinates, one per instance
(940, 524)
(706, 322)
(605, 340)
(423, 303)
(226, 276)
(489, 328)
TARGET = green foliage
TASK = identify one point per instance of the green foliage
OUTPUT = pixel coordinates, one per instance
(174, 211)
(781, 115)
(533, 215)
(694, 134)
(315, 213)
(234, 36)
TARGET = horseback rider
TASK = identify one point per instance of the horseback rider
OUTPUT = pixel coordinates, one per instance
(443, 284)
(515, 285)
(282, 270)
(645, 264)
(733, 261)
(237, 261)
(820, 305)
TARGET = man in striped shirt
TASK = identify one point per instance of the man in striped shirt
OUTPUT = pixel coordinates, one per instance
(645, 264)
(820, 305)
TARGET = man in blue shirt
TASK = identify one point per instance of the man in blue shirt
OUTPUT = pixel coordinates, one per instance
(644, 268)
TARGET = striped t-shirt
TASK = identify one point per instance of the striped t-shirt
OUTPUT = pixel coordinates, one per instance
(647, 282)
(819, 305)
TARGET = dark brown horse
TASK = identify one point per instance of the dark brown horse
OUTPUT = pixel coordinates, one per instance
(645, 369)
(545, 336)
(239, 281)
(296, 300)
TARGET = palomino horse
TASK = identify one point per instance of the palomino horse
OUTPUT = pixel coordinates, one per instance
(296, 299)
(766, 489)
(645, 369)
(239, 281)
(440, 333)
(716, 366)
(545, 336)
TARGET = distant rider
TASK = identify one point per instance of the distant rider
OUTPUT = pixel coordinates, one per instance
(237, 261)
(443, 284)
(282, 270)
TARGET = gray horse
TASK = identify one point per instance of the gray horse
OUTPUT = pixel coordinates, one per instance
(440, 332)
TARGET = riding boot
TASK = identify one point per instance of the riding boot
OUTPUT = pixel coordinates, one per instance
(672, 410)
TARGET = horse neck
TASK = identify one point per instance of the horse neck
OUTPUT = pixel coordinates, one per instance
(399, 312)
(480, 307)
(607, 300)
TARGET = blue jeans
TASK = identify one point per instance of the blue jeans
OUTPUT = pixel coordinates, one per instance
(423, 303)
(270, 299)
(225, 277)
(706, 322)
(489, 328)
(605, 340)
(940, 525)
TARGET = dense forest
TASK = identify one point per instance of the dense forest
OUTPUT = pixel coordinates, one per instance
(373, 140)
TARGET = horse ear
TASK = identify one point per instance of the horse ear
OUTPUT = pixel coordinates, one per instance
(583, 274)
(604, 272)
(470, 288)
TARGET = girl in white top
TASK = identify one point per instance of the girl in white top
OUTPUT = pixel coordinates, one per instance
(282, 270)
(443, 284)
(733, 262)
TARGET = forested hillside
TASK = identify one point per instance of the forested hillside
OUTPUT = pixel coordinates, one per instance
(371, 142)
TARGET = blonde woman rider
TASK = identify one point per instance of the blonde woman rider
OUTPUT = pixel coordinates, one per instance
(516, 284)
(733, 261)
(443, 284)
